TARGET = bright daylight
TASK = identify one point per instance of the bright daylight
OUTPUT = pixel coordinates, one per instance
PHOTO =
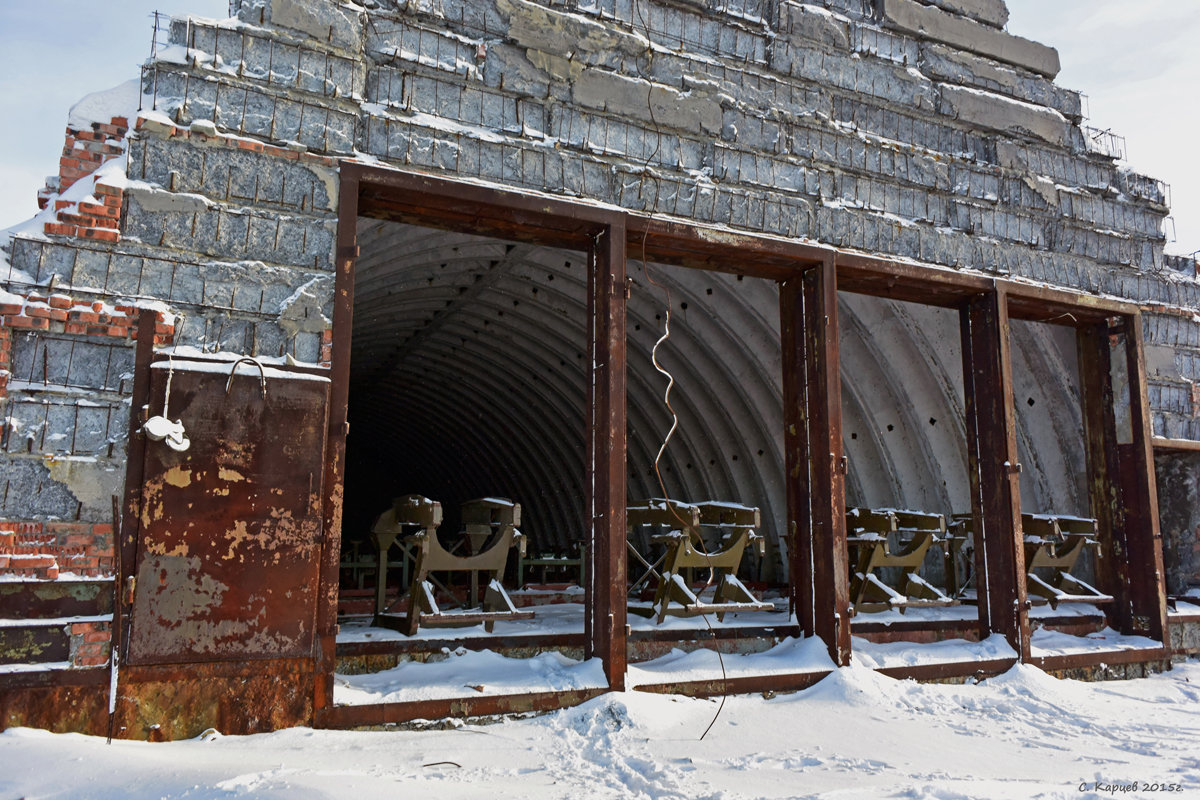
(599, 398)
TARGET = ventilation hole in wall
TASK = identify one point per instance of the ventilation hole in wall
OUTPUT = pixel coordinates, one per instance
(486, 322)
(549, 276)
(567, 264)
(891, 427)
(448, 304)
(712, 462)
(562, 363)
(658, 317)
(535, 291)
(933, 420)
(442, 265)
(499, 313)
(683, 306)
(637, 326)
(854, 436)
(687, 465)
(516, 303)
(461, 290)
(579, 356)
(735, 458)
(1030, 401)
(739, 277)
(708, 291)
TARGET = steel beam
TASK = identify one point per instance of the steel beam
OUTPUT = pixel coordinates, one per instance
(1103, 468)
(994, 470)
(325, 645)
(815, 479)
(1143, 538)
(125, 545)
(605, 600)
(387, 714)
(796, 454)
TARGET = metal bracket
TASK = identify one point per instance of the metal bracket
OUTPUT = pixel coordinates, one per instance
(262, 374)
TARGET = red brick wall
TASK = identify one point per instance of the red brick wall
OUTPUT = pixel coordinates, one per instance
(50, 551)
(84, 151)
(90, 643)
(60, 313)
(46, 550)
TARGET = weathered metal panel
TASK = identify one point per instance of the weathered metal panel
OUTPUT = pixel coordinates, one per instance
(230, 529)
(51, 599)
(34, 644)
(182, 701)
(57, 701)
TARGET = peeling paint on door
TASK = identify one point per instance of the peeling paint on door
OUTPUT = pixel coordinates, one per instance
(228, 556)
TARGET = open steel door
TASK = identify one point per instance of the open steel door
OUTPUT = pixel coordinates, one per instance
(228, 552)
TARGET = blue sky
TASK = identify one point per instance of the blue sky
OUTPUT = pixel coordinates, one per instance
(1136, 62)
(52, 53)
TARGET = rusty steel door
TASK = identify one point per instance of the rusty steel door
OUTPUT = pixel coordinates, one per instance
(228, 552)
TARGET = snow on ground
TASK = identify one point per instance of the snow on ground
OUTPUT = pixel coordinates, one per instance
(856, 734)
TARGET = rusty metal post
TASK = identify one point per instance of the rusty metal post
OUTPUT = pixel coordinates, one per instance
(605, 599)
(335, 448)
(1147, 590)
(815, 467)
(1103, 468)
(796, 453)
(125, 546)
(994, 470)
(831, 576)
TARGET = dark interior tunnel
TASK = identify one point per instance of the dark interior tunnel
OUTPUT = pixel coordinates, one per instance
(469, 370)
(469, 378)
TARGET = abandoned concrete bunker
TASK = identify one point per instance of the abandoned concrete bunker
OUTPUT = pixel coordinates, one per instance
(357, 339)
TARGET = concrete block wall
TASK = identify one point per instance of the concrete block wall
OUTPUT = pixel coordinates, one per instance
(920, 130)
(227, 240)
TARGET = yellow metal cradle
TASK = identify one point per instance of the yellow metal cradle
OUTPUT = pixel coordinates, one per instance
(677, 527)
(871, 533)
(489, 531)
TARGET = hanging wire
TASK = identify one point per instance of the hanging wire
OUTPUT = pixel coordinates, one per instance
(662, 485)
(637, 8)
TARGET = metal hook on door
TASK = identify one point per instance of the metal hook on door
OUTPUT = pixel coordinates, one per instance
(161, 428)
(262, 374)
